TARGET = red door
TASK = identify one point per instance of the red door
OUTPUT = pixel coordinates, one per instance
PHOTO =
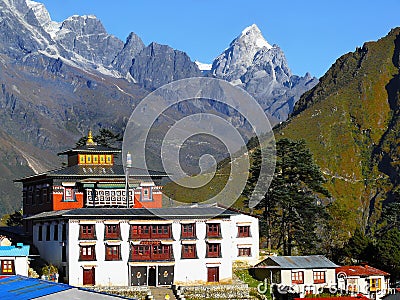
(213, 274)
(88, 276)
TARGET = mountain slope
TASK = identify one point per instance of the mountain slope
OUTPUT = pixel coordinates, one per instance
(350, 121)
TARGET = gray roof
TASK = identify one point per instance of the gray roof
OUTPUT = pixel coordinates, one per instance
(296, 262)
(80, 171)
(90, 149)
(137, 213)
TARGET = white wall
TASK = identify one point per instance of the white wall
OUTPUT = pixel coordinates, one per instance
(308, 280)
(244, 242)
(107, 273)
(187, 271)
(20, 264)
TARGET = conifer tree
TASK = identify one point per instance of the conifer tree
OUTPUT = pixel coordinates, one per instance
(293, 203)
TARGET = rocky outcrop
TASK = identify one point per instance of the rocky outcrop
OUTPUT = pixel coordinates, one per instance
(159, 64)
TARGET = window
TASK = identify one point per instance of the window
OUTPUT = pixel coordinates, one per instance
(213, 250)
(150, 231)
(87, 232)
(44, 193)
(112, 231)
(68, 194)
(189, 251)
(7, 267)
(151, 252)
(188, 231)
(375, 284)
(55, 232)
(141, 250)
(64, 232)
(113, 252)
(160, 231)
(243, 231)
(244, 252)
(213, 230)
(145, 193)
(40, 233)
(38, 195)
(48, 233)
(319, 276)
(297, 277)
(140, 231)
(87, 253)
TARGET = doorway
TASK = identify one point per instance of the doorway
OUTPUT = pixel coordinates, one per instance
(152, 281)
(89, 276)
(213, 274)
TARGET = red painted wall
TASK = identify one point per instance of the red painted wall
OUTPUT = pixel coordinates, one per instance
(58, 204)
(156, 203)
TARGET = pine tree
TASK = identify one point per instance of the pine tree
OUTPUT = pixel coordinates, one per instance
(293, 203)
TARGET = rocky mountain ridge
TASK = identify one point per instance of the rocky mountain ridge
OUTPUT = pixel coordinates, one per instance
(58, 79)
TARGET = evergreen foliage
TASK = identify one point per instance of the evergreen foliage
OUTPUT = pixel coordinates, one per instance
(294, 202)
(15, 219)
(105, 137)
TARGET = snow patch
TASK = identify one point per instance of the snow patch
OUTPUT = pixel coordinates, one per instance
(203, 66)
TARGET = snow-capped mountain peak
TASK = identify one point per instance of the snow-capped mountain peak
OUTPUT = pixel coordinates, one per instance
(253, 35)
(43, 17)
(235, 60)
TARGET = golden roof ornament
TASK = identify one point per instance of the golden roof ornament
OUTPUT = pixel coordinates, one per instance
(89, 141)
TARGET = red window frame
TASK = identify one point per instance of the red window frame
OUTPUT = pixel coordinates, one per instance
(319, 276)
(7, 267)
(113, 252)
(244, 252)
(243, 231)
(87, 232)
(297, 277)
(151, 252)
(160, 231)
(112, 231)
(188, 230)
(140, 232)
(87, 252)
(213, 250)
(213, 230)
(189, 251)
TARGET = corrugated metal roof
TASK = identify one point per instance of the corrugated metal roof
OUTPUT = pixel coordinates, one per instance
(10, 251)
(22, 288)
(296, 262)
(360, 271)
(139, 213)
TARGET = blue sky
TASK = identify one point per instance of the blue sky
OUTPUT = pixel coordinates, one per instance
(312, 34)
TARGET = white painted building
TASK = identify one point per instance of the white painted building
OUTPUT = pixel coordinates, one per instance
(13, 258)
(301, 275)
(125, 247)
(366, 280)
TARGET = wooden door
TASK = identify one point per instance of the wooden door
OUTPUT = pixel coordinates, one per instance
(89, 276)
(213, 274)
(139, 275)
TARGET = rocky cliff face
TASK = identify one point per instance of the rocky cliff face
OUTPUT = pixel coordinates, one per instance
(158, 64)
(262, 70)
